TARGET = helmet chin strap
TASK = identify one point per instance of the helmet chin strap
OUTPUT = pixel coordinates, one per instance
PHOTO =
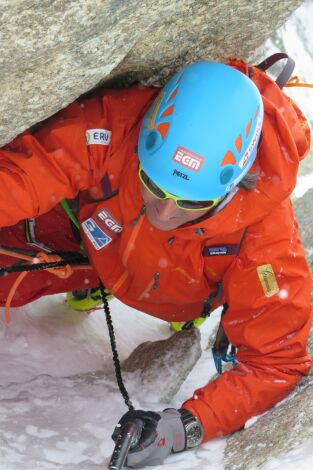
(226, 200)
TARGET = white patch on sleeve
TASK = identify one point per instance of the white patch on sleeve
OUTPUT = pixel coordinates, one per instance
(98, 136)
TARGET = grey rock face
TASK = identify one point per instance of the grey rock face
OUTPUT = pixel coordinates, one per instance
(287, 426)
(160, 367)
(53, 51)
(303, 208)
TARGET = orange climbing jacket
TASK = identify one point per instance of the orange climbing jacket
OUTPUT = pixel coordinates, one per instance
(250, 248)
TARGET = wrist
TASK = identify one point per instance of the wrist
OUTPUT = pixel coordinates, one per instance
(194, 431)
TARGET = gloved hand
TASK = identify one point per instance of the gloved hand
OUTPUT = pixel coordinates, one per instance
(161, 434)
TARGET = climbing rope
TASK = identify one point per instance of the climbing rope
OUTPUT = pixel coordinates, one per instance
(295, 81)
(117, 364)
(61, 265)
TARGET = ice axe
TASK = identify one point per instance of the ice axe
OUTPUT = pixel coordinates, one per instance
(127, 434)
(127, 437)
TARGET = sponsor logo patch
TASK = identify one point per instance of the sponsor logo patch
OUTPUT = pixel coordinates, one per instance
(221, 250)
(268, 279)
(109, 222)
(98, 238)
(98, 137)
(217, 250)
(188, 159)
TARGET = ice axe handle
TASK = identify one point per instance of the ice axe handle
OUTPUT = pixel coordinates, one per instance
(124, 440)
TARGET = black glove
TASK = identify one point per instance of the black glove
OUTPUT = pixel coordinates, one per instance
(159, 435)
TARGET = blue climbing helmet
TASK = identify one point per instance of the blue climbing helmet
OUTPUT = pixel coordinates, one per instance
(199, 138)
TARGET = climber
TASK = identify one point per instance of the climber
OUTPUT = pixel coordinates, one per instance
(182, 197)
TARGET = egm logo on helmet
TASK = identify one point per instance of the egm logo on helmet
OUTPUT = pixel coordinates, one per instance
(188, 159)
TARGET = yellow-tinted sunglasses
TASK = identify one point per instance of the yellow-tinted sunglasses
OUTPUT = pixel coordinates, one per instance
(160, 193)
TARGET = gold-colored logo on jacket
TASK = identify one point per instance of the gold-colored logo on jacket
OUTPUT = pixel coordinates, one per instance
(268, 279)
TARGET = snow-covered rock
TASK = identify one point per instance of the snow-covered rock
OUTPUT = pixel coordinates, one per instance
(161, 367)
(274, 434)
(303, 207)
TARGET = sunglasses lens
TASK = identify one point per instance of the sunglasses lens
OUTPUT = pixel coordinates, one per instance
(185, 204)
(151, 186)
(182, 203)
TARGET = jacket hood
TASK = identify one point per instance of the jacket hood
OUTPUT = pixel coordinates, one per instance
(285, 141)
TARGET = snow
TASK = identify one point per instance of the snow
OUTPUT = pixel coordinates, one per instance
(300, 457)
(59, 401)
(304, 183)
(283, 293)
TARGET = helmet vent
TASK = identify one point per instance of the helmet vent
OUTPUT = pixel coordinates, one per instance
(153, 140)
(226, 175)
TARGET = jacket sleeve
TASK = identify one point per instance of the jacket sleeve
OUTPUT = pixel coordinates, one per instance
(40, 168)
(268, 319)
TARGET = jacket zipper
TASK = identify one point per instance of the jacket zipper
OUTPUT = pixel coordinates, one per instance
(153, 284)
(128, 250)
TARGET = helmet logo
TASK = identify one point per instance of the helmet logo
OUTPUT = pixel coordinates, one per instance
(188, 159)
(252, 144)
(180, 174)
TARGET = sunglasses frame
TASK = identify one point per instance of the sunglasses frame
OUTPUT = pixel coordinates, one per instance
(212, 203)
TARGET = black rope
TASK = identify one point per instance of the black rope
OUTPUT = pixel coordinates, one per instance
(24, 251)
(117, 364)
(76, 258)
(70, 258)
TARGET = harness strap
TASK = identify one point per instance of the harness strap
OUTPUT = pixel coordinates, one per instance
(286, 73)
(206, 307)
(222, 349)
(222, 344)
(69, 212)
(74, 223)
(30, 235)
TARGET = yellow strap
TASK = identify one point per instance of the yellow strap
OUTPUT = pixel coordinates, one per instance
(295, 81)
